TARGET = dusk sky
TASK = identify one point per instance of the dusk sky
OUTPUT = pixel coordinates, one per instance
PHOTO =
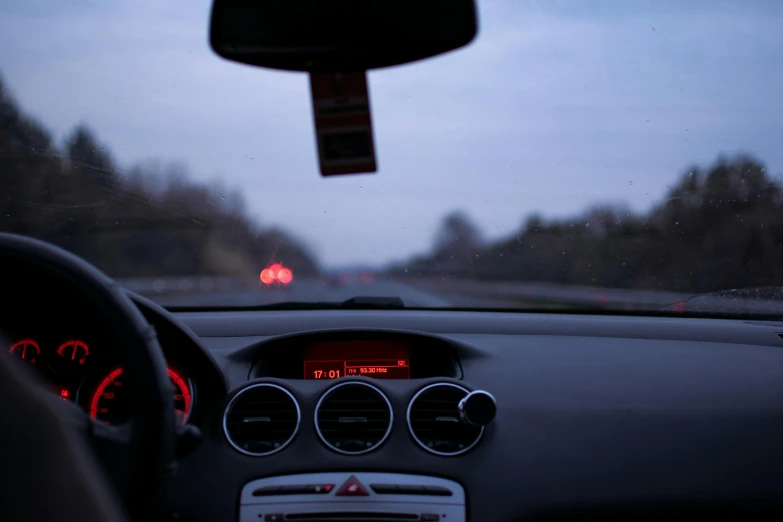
(557, 105)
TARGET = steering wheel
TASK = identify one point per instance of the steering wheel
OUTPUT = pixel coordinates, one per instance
(138, 456)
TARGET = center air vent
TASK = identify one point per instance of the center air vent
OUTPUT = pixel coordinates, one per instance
(261, 419)
(435, 423)
(353, 418)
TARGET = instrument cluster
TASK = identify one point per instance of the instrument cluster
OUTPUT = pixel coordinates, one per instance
(83, 369)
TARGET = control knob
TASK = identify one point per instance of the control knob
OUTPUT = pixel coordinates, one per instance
(477, 408)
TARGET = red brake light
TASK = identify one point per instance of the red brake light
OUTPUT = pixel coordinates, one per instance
(267, 277)
(285, 275)
(276, 272)
(275, 269)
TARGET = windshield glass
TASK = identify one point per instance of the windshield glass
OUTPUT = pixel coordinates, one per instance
(577, 155)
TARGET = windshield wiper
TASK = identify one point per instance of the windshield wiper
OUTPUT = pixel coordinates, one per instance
(371, 302)
(354, 303)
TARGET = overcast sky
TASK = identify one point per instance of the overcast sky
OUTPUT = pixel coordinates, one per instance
(556, 106)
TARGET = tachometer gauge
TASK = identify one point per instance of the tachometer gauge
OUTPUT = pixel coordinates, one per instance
(109, 403)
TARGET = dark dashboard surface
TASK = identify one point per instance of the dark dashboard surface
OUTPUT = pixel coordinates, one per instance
(596, 415)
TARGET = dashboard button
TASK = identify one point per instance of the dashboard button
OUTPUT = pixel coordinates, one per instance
(352, 488)
(274, 517)
(266, 491)
(438, 491)
(386, 489)
(320, 489)
(298, 489)
(407, 489)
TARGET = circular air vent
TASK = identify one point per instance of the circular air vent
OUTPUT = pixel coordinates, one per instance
(435, 423)
(261, 419)
(353, 418)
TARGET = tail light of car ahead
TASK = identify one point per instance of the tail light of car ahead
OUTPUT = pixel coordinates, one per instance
(276, 274)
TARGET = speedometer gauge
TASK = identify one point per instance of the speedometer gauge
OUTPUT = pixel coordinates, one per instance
(110, 403)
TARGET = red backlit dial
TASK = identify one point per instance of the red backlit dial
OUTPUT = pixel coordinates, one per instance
(71, 357)
(110, 402)
(27, 349)
(76, 351)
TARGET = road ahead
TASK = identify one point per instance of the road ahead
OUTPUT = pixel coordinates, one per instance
(210, 292)
(303, 290)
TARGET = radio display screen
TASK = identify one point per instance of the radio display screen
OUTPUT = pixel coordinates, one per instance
(375, 359)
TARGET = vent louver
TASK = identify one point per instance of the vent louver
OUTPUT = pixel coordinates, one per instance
(353, 418)
(261, 419)
(434, 420)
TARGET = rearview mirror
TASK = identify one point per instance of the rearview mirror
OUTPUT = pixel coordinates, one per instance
(338, 35)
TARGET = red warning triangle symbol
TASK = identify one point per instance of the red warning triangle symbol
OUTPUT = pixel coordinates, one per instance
(352, 487)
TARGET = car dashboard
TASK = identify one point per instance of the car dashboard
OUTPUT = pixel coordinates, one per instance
(450, 415)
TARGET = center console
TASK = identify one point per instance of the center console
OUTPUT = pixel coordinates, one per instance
(355, 497)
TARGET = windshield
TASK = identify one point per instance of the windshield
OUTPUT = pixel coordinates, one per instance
(577, 155)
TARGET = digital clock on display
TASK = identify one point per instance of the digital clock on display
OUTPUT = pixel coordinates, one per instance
(378, 359)
(377, 368)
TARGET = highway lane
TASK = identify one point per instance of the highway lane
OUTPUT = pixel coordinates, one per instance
(304, 291)
(249, 292)
(537, 294)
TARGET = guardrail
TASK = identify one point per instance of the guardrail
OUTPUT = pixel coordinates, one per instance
(550, 293)
(500, 293)
(167, 285)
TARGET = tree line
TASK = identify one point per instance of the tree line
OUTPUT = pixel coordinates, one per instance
(149, 220)
(718, 227)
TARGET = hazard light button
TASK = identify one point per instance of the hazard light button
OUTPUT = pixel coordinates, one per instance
(352, 488)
